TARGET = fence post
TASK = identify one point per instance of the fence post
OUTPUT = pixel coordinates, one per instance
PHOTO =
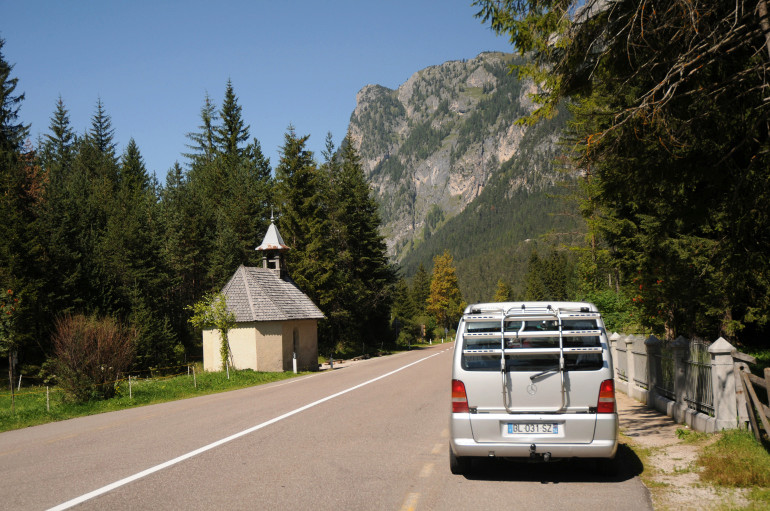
(614, 352)
(652, 344)
(723, 384)
(681, 347)
(630, 369)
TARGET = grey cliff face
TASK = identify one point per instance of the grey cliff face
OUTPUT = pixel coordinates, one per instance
(430, 147)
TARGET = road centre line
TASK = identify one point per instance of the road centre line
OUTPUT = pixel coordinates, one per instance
(410, 504)
(178, 459)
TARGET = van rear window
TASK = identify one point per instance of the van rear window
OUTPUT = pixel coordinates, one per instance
(531, 335)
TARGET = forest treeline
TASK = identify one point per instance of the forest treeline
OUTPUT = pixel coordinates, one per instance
(96, 251)
(670, 140)
(667, 153)
(88, 231)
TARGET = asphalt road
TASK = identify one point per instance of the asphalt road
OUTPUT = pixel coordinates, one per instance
(369, 436)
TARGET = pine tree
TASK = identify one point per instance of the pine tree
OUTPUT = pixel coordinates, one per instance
(22, 185)
(362, 278)
(133, 174)
(203, 142)
(231, 185)
(182, 249)
(420, 288)
(56, 152)
(101, 133)
(299, 197)
(233, 131)
(404, 314)
(445, 302)
(12, 132)
(297, 192)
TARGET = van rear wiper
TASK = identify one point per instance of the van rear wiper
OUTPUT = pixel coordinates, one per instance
(559, 366)
(543, 373)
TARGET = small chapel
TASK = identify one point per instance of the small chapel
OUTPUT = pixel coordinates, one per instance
(275, 321)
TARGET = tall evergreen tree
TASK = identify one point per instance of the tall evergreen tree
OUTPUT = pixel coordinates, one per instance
(203, 142)
(297, 192)
(102, 133)
(233, 132)
(133, 174)
(370, 268)
(231, 183)
(182, 250)
(13, 133)
(299, 197)
(420, 288)
(21, 185)
(404, 314)
(58, 145)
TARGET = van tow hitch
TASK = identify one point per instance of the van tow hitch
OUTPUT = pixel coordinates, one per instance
(534, 455)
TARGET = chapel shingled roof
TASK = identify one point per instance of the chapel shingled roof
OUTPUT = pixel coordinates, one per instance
(259, 294)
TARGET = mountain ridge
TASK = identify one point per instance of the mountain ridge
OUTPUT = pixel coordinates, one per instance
(444, 146)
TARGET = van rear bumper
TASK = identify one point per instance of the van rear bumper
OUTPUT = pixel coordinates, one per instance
(603, 445)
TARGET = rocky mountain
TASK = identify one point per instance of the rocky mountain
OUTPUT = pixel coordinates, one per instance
(444, 148)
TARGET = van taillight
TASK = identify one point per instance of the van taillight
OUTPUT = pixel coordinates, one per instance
(459, 398)
(606, 402)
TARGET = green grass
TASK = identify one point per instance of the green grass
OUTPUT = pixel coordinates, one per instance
(30, 403)
(690, 436)
(736, 460)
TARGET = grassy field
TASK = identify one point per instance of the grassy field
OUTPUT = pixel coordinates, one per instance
(737, 460)
(35, 405)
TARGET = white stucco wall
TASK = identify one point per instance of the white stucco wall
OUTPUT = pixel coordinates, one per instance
(268, 336)
(307, 353)
(265, 346)
(211, 358)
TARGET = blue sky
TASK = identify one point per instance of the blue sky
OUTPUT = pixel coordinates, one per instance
(152, 62)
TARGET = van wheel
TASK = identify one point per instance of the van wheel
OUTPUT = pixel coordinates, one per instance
(458, 465)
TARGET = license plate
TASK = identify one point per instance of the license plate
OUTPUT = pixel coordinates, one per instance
(518, 428)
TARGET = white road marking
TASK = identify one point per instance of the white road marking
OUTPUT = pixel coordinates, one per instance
(157, 468)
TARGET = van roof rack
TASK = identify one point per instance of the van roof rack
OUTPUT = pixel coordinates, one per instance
(546, 312)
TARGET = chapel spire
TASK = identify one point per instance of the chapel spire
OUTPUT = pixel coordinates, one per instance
(272, 249)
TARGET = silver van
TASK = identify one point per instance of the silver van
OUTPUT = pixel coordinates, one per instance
(532, 380)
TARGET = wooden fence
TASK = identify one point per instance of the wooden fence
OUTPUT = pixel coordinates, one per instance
(749, 404)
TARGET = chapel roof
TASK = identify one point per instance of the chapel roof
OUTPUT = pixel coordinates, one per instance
(259, 294)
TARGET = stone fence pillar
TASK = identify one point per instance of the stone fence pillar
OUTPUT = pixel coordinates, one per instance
(723, 384)
(652, 344)
(630, 373)
(614, 353)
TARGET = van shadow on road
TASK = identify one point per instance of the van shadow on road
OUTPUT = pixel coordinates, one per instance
(556, 472)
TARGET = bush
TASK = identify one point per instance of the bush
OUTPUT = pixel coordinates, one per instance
(91, 353)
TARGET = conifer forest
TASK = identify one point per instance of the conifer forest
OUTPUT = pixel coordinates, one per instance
(665, 152)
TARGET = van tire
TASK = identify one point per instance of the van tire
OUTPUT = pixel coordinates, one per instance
(458, 465)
